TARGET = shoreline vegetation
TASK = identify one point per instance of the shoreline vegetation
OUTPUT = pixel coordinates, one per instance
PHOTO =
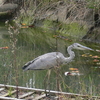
(79, 18)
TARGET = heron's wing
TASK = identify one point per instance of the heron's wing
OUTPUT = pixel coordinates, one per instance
(37, 61)
(28, 63)
(45, 61)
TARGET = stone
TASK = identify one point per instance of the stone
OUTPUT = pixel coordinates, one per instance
(2, 2)
(8, 7)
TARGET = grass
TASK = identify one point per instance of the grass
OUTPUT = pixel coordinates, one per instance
(73, 30)
(93, 5)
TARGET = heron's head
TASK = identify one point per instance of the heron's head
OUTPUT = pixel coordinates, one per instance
(80, 47)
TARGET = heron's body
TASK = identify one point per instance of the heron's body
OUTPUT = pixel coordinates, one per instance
(49, 60)
(46, 61)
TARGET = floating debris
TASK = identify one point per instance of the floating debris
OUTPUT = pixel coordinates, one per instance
(96, 67)
(73, 73)
(95, 56)
(23, 25)
(84, 55)
(97, 50)
(73, 68)
(98, 63)
(95, 60)
(4, 47)
(90, 55)
(62, 37)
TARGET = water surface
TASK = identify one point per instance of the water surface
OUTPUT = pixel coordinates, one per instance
(32, 42)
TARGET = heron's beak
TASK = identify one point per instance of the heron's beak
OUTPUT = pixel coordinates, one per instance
(87, 48)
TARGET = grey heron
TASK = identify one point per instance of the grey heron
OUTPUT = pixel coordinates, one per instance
(53, 59)
(50, 60)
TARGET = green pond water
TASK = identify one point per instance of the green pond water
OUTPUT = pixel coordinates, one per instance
(32, 42)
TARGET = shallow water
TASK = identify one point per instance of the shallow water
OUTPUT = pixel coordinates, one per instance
(32, 42)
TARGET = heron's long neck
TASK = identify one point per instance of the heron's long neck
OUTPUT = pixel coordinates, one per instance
(71, 54)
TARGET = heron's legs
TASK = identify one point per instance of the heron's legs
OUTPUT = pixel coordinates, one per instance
(47, 82)
(59, 79)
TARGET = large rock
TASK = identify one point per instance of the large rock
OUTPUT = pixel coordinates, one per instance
(2, 2)
(8, 7)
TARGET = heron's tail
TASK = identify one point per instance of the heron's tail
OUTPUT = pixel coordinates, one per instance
(24, 68)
